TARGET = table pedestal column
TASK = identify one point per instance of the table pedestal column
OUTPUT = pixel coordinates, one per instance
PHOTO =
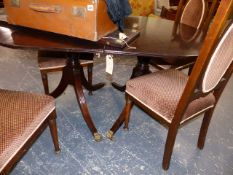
(73, 74)
(141, 68)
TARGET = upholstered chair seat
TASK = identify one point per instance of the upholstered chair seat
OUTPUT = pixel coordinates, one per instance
(21, 116)
(162, 97)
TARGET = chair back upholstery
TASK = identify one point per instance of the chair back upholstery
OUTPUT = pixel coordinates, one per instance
(194, 13)
(219, 62)
(213, 65)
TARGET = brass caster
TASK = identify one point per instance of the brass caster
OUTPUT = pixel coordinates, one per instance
(110, 134)
(58, 152)
(126, 128)
(97, 137)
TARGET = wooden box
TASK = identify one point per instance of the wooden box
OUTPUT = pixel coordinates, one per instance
(87, 19)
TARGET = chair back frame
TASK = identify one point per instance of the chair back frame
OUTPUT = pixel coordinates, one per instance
(203, 60)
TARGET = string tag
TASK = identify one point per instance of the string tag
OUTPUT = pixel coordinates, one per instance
(109, 64)
(122, 36)
(98, 55)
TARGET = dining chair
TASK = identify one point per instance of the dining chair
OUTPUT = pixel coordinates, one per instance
(51, 61)
(23, 117)
(192, 13)
(174, 98)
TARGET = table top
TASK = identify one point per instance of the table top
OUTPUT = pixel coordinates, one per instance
(158, 38)
(161, 38)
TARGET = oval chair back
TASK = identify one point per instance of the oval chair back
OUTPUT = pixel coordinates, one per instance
(219, 62)
(194, 13)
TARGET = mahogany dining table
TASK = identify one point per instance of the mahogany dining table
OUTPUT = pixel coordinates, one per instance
(158, 39)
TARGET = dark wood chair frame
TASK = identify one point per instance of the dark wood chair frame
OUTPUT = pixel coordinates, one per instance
(190, 92)
(51, 122)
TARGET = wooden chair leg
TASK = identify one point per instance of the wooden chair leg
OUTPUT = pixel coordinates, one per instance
(90, 74)
(122, 117)
(117, 124)
(129, 105)
(204, 128)
(53, 130)
(171, 137)
(44, 77)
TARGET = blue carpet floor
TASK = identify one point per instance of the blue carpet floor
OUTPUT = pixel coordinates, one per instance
(138, 151)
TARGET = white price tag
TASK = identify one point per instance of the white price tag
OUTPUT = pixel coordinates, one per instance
(109, 64)
(122, 36)
(90, 8)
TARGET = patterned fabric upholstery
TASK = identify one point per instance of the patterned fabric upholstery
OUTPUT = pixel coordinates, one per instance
(142, 8)
(219, 62)
(161, 91)
(20, 115)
